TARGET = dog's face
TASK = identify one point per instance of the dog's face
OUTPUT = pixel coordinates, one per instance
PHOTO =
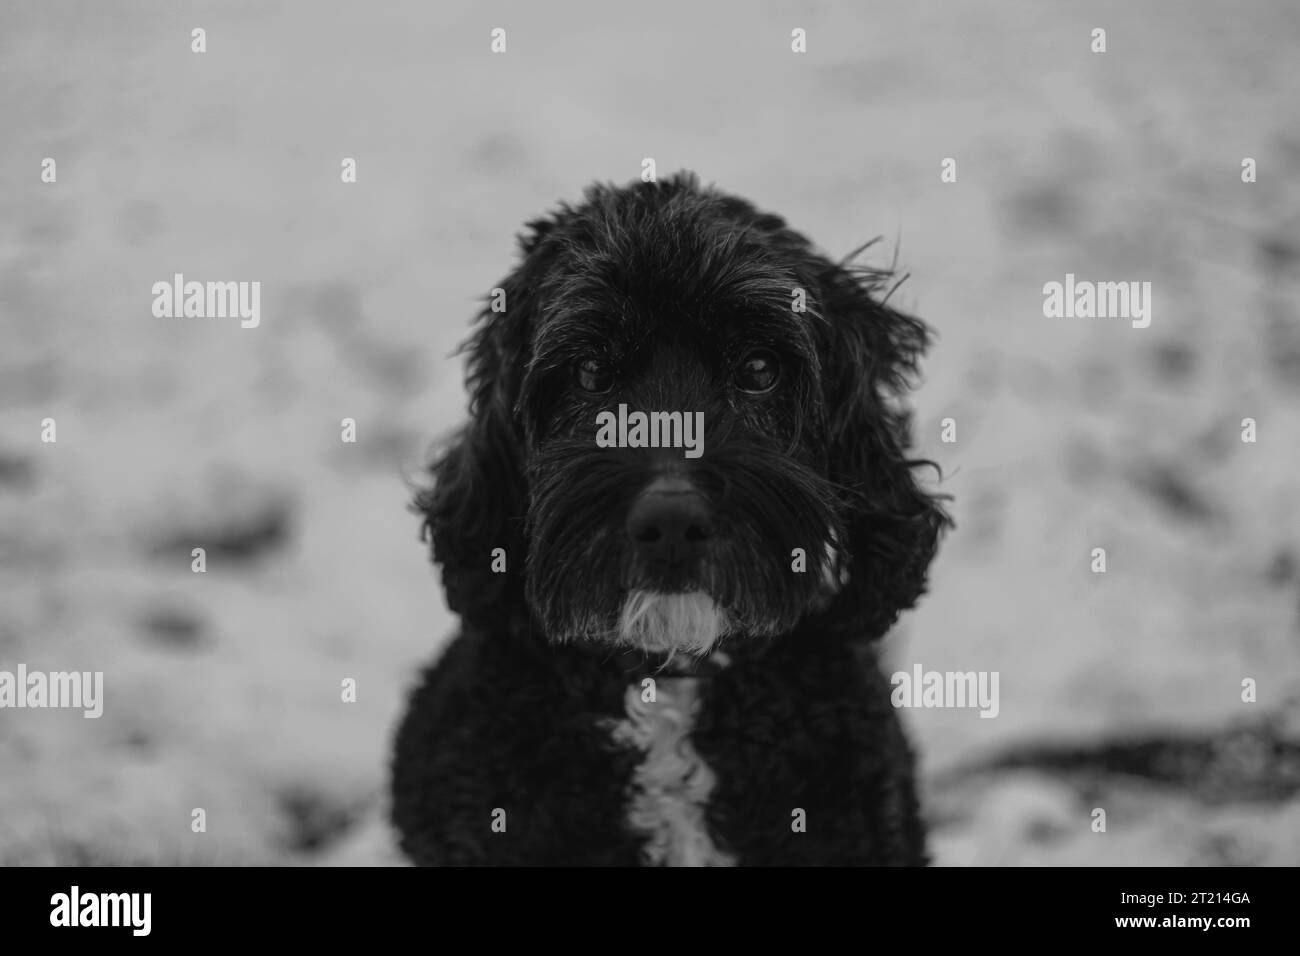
(688, 323)
(680, 431)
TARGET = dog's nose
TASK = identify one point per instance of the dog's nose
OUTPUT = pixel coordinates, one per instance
(670, 522)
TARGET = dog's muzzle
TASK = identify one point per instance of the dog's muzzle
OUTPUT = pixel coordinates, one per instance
(670, 528)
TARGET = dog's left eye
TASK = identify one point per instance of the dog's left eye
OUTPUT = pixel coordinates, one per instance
(593, 376)
(758, 372)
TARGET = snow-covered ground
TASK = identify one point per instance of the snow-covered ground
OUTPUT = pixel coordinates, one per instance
(223, 688)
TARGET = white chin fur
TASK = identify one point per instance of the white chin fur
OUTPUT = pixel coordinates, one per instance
(690, 622)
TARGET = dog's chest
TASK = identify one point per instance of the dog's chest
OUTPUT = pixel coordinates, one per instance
(671, 786)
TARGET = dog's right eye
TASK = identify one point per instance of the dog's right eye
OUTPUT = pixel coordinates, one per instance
(593, 376)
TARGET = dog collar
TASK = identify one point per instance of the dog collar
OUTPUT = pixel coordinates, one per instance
(715, 663)
(642, 664)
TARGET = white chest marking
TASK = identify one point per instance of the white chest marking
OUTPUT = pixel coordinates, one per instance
(671, 786)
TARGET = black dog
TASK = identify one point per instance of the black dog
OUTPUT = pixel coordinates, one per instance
(667, 647)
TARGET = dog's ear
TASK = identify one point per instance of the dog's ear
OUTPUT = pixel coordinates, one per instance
(478, 496)
(869, 354)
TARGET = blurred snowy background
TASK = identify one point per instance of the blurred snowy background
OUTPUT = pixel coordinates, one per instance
(1120, 691)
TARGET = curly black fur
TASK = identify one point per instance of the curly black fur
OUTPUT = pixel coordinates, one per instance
(668, 283)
